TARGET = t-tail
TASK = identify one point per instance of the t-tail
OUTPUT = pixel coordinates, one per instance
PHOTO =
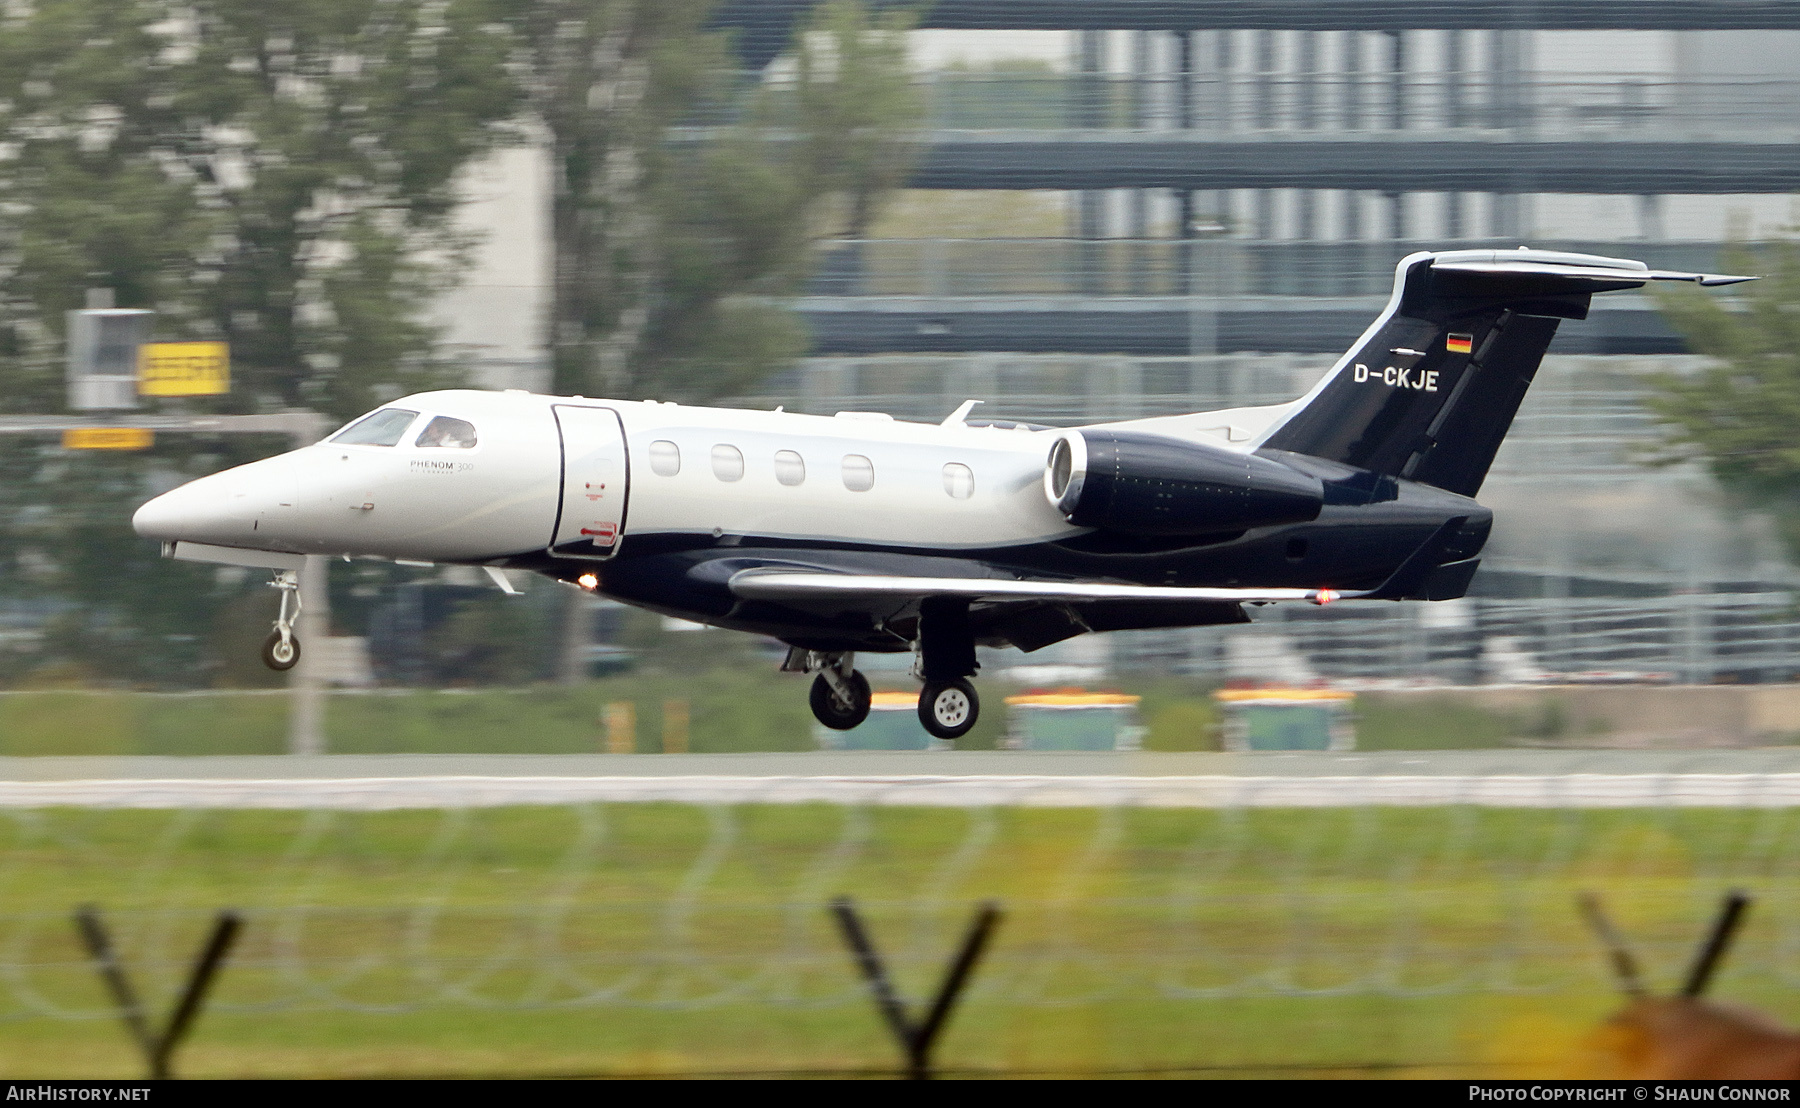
(1432, 386)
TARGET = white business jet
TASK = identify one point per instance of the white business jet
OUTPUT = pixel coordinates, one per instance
(861, 532)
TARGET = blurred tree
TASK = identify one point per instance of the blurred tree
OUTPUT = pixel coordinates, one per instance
(690, 199)
(1740, 416)
(281, 176)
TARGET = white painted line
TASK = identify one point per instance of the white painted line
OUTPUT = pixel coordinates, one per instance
(1580, 790)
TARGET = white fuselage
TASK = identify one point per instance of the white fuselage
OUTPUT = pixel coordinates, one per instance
(854, 479)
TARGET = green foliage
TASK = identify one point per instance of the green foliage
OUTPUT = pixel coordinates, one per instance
(283, 177)
(1739, 416)
(491, 640)
(671, 248)
(1419, 722)
(280, 176)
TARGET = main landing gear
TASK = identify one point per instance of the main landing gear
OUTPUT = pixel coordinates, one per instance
(281, 650)
(949, 708)
(840, 695)
(948, 705)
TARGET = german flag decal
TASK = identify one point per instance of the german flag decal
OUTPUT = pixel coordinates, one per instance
(1459, 344)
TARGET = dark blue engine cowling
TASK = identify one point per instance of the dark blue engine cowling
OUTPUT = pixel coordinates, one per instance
(1149, 485)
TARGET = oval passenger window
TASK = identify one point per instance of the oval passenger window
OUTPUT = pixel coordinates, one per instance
(959, 481)
(859, 473)
(728, 463)
(442, 431)
(665, 458)
(383, 428)
(790, 468)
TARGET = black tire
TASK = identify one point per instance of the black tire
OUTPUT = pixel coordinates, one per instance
(828, 711)
(948, 709)
(280, 657)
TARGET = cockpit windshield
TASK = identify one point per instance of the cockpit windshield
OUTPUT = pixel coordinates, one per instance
(383, 428)
(443, 431)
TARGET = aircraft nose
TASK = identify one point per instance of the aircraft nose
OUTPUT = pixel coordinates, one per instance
(197, 512)
(225, 508)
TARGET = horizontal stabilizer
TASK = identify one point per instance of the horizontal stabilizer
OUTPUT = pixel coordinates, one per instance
(1502, 266)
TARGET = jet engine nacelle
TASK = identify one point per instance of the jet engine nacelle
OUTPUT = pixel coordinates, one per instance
(1149, 485)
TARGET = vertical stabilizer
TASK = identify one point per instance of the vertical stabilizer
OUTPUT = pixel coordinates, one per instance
(1431, 388)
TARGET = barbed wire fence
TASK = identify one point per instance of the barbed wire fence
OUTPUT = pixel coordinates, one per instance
(1161, 908)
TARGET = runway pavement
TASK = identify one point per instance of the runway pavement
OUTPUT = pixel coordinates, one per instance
(1494, 778)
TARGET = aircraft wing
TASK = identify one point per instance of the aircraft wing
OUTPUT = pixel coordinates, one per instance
(798, 585)
(801, 585)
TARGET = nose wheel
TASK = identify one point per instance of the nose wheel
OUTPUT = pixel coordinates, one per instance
(281, 650)
(948, 709)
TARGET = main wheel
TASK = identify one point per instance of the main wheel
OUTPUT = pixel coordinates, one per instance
(949, 708)
(279, 654)
(834, 713)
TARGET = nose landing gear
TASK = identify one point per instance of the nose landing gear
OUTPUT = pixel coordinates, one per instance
(281, 650)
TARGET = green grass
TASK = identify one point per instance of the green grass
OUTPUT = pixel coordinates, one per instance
(731, 709)
(660, 938)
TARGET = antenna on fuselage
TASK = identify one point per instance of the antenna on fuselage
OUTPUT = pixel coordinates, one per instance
(961, 413)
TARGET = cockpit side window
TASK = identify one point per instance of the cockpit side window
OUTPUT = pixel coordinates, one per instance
(383, 428)
(442, 431)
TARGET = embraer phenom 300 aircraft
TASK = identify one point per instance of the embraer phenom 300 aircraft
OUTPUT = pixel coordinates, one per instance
(866, 533)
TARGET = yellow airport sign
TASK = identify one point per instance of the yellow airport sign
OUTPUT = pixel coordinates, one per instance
(108, 438)
(184, 369)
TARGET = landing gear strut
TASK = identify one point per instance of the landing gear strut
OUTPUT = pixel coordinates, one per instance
(948, 706)
(281, 650)
(840, 695)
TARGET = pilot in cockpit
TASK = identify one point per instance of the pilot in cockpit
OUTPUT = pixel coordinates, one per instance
(446, 432)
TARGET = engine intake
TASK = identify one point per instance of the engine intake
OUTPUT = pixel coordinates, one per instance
(1142, 484)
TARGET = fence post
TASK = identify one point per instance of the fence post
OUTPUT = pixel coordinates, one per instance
(916, 1039)
(159, 1049)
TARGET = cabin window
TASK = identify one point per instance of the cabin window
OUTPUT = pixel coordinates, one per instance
(959, 481)
(665, 458)
(383, 428)
(859, 473)
(447, 433)
(790, 468)
(728, 463)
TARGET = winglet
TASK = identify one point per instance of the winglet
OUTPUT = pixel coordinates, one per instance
(499, 578)
(1410, 577)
